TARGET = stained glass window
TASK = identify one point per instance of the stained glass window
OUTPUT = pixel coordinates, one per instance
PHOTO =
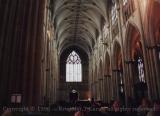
(114, 12)
(141, 70)
(73, 68)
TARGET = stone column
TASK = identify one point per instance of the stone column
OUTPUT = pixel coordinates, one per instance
(152, 75)
(54, 90)
(104, 89)
(115, 84)
(93, 90)
(154, 80)
(129, 78)
(7, 41)
(96, 90)
(156, 68)
(110, 88)
(101, 88)
(107, 89)
(143, 41)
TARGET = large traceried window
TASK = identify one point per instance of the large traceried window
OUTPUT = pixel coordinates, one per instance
(73, 68)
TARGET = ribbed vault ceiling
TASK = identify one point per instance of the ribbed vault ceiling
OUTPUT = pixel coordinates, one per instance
(78, 22)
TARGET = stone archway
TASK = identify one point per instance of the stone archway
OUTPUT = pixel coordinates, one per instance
(118, 79)
(135, 78)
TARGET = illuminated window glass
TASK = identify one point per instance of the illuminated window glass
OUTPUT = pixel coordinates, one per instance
(114, 12)
(125, 2)
(73, 68)
(141, 70)
(121, 83)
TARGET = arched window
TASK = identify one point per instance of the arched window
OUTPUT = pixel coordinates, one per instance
(73, 68)
(141, 70)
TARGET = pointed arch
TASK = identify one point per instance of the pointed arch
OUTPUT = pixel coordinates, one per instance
(134, 51)
(152, 22)
(117, 55)
(135, 60)
(132, 40)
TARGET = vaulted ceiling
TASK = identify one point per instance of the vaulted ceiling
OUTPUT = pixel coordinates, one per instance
(78, 22)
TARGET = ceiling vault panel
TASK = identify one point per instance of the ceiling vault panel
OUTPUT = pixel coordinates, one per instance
(77, 22)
